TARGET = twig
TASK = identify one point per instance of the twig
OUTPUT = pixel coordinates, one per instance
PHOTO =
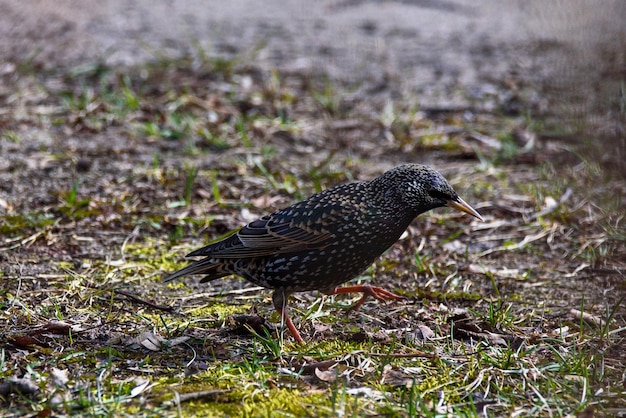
(254, 289)
(135, 298)
(144, 302)
(587, 317)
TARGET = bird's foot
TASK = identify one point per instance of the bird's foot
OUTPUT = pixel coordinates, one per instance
(376, 292)
(280, 304)
(292, 328)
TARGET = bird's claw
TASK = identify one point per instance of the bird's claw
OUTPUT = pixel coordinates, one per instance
(376, 292)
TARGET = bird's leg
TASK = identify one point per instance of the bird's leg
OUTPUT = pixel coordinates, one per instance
(280, 304)
(376, 292)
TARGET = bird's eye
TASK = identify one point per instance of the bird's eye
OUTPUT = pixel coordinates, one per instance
(437, 194)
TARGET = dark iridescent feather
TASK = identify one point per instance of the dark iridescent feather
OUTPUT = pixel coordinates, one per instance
(329, 238)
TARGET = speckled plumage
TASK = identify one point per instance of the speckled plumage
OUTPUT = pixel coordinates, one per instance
(329, 238)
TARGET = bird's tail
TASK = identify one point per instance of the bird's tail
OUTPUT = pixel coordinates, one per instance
(209, 267)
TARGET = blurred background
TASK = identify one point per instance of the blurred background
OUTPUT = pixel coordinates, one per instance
(563, 59)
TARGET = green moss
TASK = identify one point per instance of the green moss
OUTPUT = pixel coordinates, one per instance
(252, 389)
(270, 403)
(152, 253)
(66, 265)
(334, 348)
(439, 142)
(176, 285)
(221, 310)
(20, 223)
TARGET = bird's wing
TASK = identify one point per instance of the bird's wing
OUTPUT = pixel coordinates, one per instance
(264, 237)
(306, 225)
(282, 235)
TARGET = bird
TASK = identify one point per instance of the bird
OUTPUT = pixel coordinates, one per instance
(327, 239)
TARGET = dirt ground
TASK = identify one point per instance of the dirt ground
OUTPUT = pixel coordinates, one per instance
(134, 132)
(429, 47)
(564, 60)
(564, 63)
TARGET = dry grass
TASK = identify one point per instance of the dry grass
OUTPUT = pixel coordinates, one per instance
(114, 176)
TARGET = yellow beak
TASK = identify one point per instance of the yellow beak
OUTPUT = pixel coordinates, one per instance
(461, 205)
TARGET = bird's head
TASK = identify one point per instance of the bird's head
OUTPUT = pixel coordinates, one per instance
(422, 188)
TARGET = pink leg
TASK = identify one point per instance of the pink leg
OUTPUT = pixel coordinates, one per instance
(291, 326)
(280, 304)
(376, 292)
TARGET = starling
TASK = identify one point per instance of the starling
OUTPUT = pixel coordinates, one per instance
(327, 239)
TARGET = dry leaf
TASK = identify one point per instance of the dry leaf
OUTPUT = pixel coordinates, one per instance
(148, 340)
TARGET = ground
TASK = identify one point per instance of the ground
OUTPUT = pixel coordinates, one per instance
(132, 135)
